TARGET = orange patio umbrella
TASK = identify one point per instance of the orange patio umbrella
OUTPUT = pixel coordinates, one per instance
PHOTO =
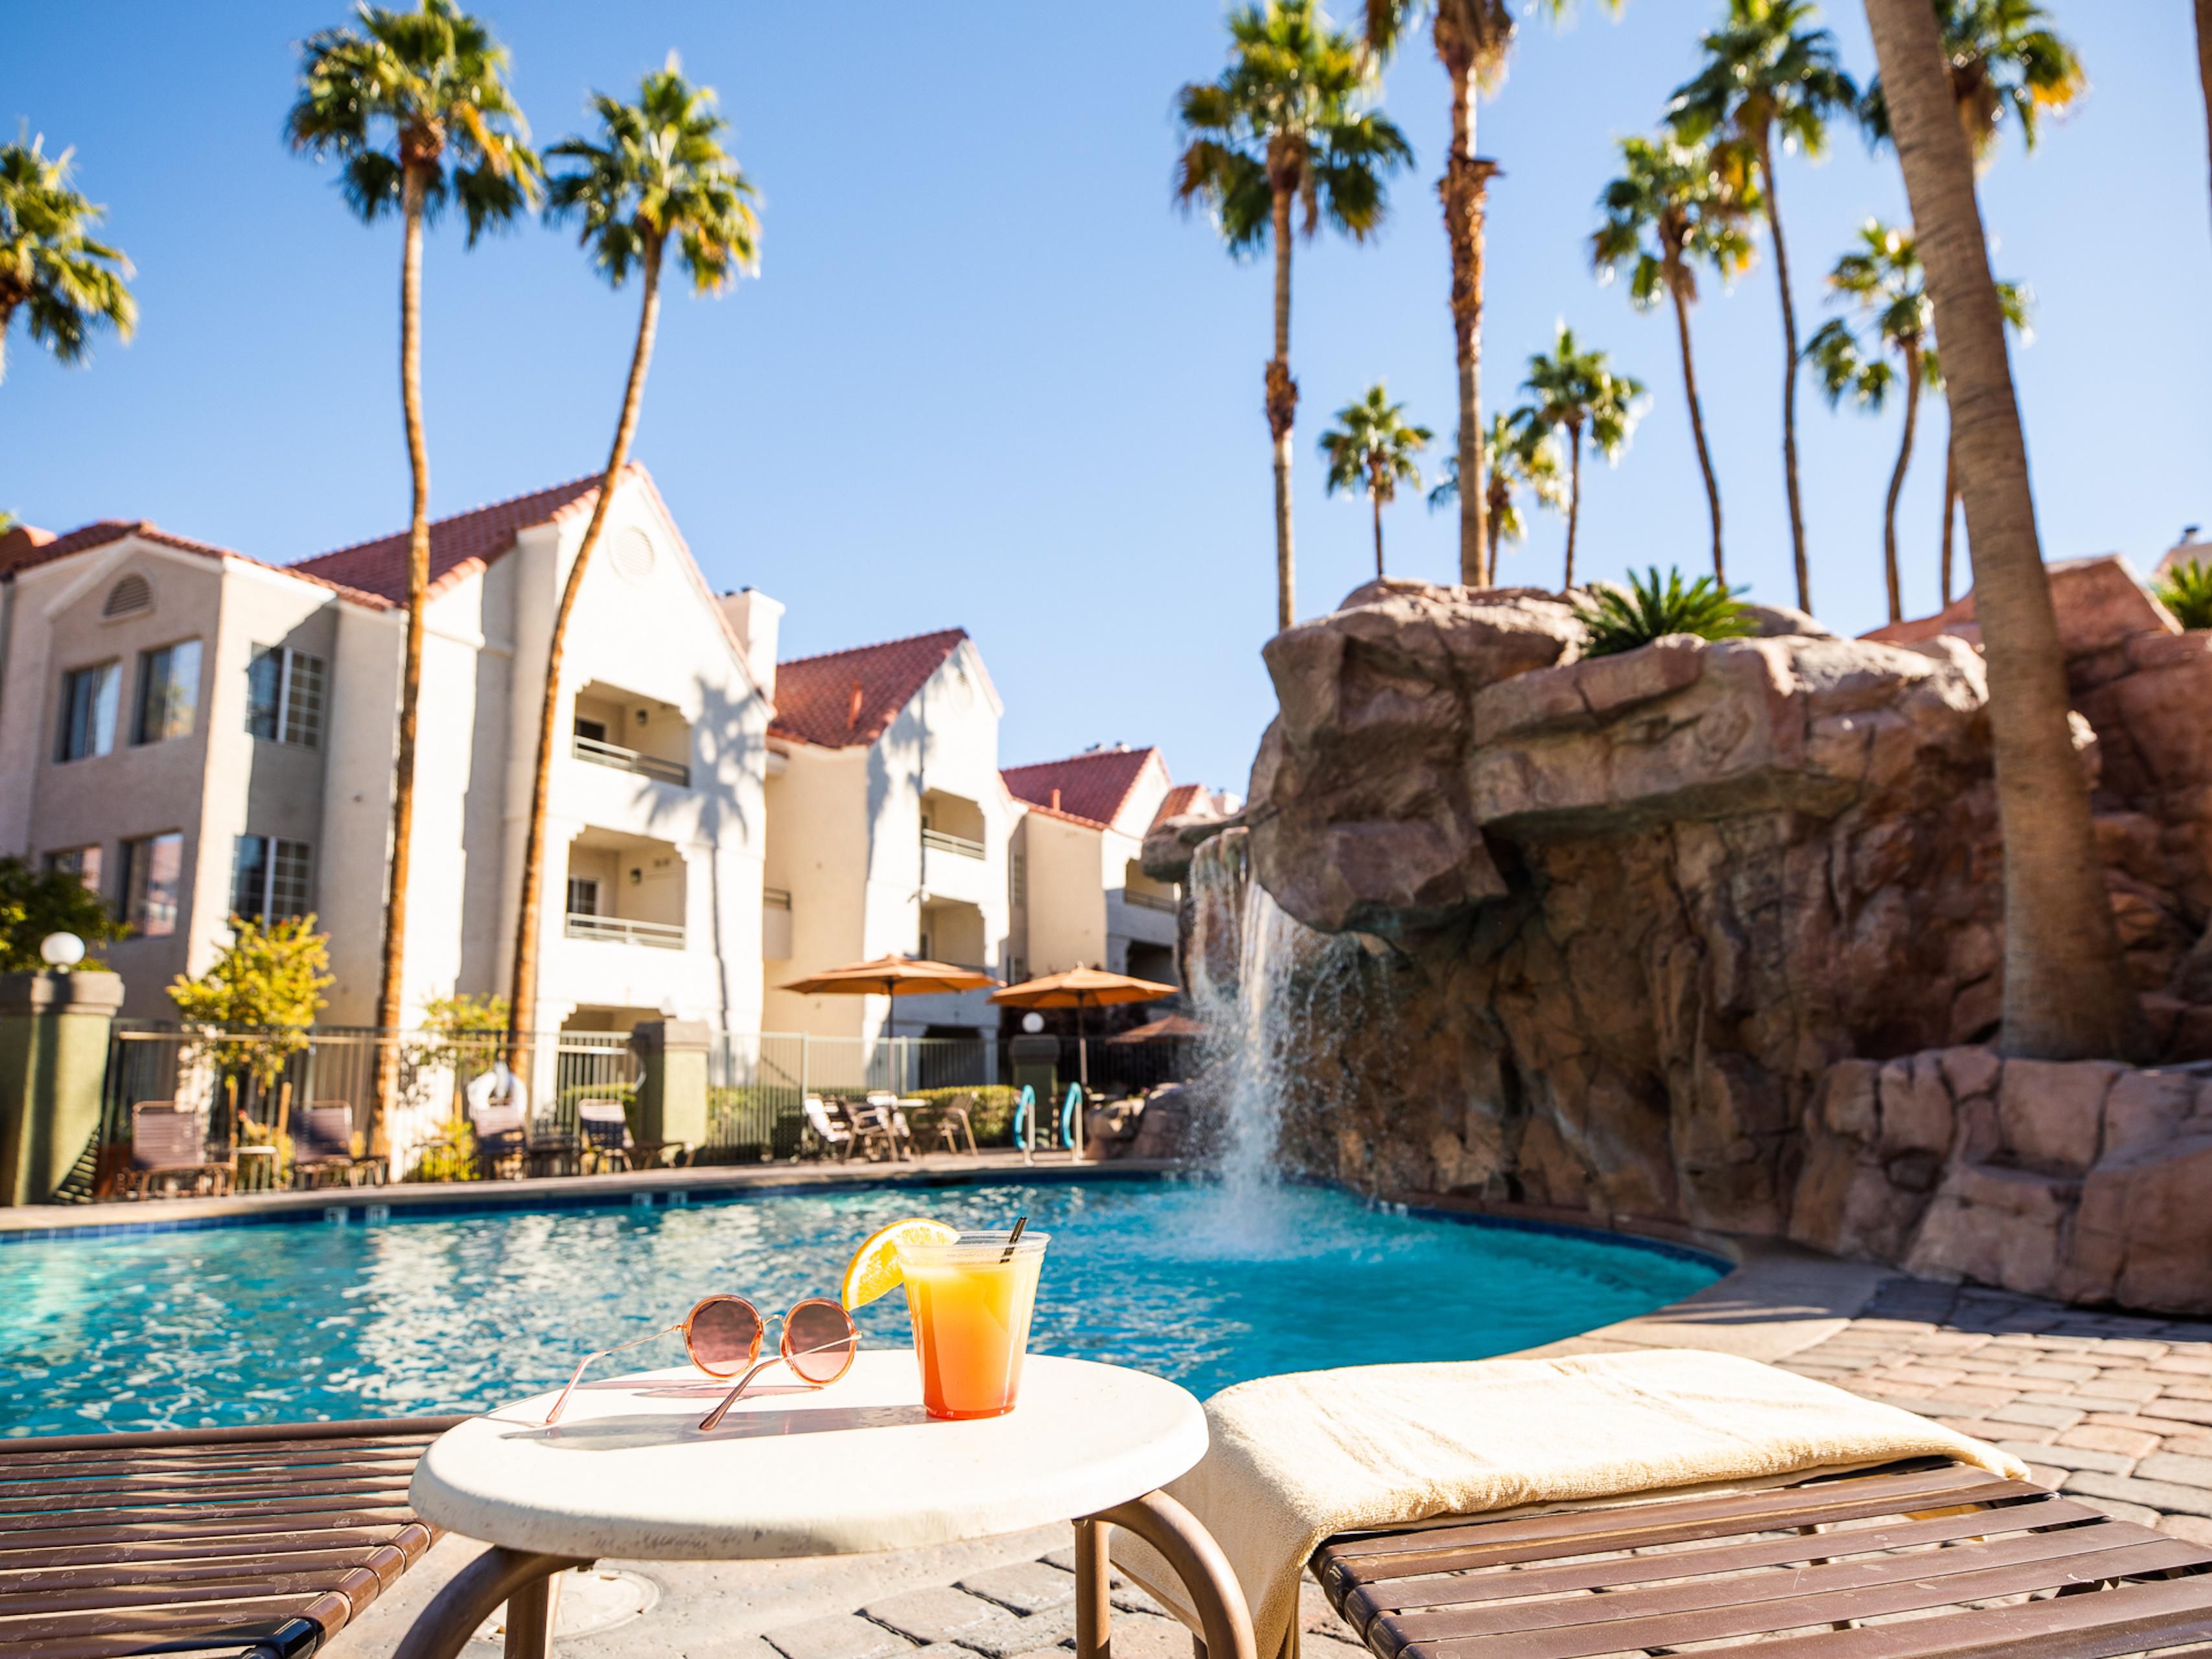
(1167, 1025)
(893, 975)
(1082, 989)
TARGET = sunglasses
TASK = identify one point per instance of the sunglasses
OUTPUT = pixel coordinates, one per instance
(723, 1335)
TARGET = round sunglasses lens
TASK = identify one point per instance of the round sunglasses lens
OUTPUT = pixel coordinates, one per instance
(818, 1339)
(724, 1335)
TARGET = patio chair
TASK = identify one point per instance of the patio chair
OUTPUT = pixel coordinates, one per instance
(893, 1111)
(322, 1146)
(827, 1128)
(951, 1123)
(501, 1136)
(168, 1144)
(870, 1127)
(1899, 1562)
(552, 1150)
(606, 1127)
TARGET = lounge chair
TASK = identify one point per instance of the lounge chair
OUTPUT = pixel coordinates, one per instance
(501, 1136)
(872, 1126)
(605, 1129)
(553, 1152)
(828, 1128)
(168, 1145)
(322, 1148)
(1909, 1546)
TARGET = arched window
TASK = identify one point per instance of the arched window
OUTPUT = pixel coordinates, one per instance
(132, 594)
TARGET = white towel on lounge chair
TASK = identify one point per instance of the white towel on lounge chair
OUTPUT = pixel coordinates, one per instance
(1295, 1460)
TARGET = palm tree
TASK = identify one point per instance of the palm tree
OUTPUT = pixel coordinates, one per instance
(1766, 75)
(1473, 41)
(1575, 390)
(1286, 123)
(2204, 60)
(2066, 990)
(1372, 448)
(65, 283)
(1882, 278)
(658, 178)
(1518, 452)
(2002, 57)
(415, 106)
(1673, 205)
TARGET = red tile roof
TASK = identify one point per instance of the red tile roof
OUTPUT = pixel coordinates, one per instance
(26, 553)
(844, 698)
(464, 543)
(1092, 787)
(1178, 800)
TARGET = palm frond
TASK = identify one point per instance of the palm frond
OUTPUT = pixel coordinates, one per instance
(1648, 609)
(2187, 591)
(68, 283)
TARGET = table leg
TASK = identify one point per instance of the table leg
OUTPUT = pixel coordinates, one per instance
(516, 1577)
(1225, 1624)
(1094, 1579)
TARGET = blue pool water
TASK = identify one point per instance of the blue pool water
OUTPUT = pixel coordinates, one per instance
(272, 1324)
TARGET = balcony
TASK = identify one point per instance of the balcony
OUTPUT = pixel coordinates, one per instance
(1165, 901)
(621, 930)
(600, 752)
(936, 841)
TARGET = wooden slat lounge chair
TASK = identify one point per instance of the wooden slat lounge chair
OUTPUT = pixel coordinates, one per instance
(322, 1146)
(268, 1539)
(606, 1128)
(168, 1146)
(1916, 1561)
(501, 1138)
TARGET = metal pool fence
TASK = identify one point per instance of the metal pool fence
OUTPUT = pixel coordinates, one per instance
(245, 1084)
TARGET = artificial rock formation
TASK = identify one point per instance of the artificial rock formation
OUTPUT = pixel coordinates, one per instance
(1600, 932)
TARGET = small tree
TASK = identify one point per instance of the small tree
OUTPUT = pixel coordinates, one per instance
(32, 905)
(269, 983)
(1623, 619)
(2187, 591)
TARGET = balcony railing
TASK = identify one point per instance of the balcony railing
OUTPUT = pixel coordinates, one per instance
(601, 753)
(621, 930)
(1149, 901)
(938, 841)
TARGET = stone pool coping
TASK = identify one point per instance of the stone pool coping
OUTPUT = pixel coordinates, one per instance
(643, 1188)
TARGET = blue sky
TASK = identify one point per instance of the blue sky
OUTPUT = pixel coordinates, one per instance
(989, 378)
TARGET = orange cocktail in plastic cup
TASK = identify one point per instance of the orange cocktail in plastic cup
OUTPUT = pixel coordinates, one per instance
(970, 1302)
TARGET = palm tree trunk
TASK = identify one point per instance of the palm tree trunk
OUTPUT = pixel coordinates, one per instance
(1789, 375)
(1493, 527)
(1697, 426)
(1950, 508)
(1574, 499)
(1897, 479)
(2204, 61)
(1462, 188)
(392, 981)
(522, 1001)
(1282, 410)
(2066, 990)
(1376, 502)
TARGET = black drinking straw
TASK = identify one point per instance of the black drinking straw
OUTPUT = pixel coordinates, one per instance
(1020, 1222)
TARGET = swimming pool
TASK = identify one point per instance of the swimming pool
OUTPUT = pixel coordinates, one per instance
(270, 1324)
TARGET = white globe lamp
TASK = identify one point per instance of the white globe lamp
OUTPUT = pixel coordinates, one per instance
(62, 951)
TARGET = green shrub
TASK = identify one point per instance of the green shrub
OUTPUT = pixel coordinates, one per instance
(1649, 610)
(2187, 591)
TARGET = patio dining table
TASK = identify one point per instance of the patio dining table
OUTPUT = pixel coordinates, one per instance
(853, 1468)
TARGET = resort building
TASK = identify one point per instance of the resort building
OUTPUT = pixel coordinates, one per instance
(888, 832)
(1081, 896)
(197, 733)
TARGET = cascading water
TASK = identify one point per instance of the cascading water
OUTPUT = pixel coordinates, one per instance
(1247, 957)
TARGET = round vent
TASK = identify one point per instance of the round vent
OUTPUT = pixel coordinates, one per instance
(632, 556)
(132, 594)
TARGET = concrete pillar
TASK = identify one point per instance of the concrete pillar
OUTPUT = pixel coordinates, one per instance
(53, 1068)
(671, 1095)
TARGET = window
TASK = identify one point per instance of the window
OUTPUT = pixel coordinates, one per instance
(81, 862)
(269, 880)
(1017, 880)
(153, 872)
(89, 697)
(583, 896)
(591, 731)
(128, 597)
(168, 691)
(284, 695)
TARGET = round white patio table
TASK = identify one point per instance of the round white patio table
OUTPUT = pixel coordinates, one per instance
(854, 1467)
